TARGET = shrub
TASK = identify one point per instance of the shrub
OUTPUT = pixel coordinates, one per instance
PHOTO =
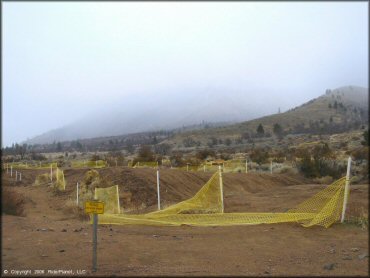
(145, 154)
(12, 202)
(259, 155)
(324, 180)
(75, 211)
(43, 179)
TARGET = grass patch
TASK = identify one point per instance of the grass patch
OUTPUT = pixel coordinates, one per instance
(359, 217)
(75, 211)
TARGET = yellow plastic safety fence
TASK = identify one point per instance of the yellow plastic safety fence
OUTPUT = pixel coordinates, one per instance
(57, 179)
(60, 182)
(32, 165)
(207, 200)
(146, 164)
(208, 168)
(110, 197)
(193, 168)
(89, 163)
(205, 209)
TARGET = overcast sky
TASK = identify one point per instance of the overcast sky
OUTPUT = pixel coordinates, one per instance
(62, 61)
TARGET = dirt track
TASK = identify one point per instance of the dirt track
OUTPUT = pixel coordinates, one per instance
(48, 238)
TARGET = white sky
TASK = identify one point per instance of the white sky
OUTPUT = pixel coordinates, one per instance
(62, 61)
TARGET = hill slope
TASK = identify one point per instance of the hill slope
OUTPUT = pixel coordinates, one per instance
(156, 111)
(337, 110)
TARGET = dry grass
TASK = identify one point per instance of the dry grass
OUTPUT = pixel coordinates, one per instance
(43, 179)
(75, 211)
(324, 180)
(358, 217)
(12, 202)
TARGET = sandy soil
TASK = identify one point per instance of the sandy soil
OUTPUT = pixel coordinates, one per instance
(49, 237)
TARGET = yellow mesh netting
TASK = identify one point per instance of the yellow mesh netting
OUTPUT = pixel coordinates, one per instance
(19, 165)
(60, 183)
(207, 200)
(89, 163)
(206, 209)
(151, 164)
(193, 168)
(110, 197)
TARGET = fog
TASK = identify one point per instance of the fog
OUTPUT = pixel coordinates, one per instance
(63, 62)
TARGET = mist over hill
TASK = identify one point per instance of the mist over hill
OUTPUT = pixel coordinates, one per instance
(140, 113)
(168, 110)
(337, 110)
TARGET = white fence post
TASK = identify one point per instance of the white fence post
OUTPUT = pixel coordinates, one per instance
(16, 175)
(119, 207)
(158, 192)
(346, 190)
(246, 166)
(271, 167)
(77, 193)
(64, 183)
(20, 176)
(221, 188)
(11, 170)
(51, 172)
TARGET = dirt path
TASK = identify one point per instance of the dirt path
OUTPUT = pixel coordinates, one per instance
(47, 238)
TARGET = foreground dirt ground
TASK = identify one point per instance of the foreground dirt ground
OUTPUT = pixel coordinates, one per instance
(48, 238)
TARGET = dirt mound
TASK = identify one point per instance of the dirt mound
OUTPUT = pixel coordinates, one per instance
(28, 177)
(48, 237)
(138, 187)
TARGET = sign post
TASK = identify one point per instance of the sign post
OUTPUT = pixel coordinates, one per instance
(95, 207)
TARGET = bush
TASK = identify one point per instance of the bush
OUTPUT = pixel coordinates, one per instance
(203, 154)
(361, 153)
(259, 155)
(324, 180)
(43, 179)
(12, 202)
(145, 154)
(71, 208)
(286, 170)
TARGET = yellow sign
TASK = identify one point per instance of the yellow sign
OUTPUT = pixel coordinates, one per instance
(94, 207)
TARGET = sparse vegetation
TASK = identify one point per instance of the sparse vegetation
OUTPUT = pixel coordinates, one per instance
(12, 202)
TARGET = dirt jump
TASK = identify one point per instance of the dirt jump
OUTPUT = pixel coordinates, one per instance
(51, 238)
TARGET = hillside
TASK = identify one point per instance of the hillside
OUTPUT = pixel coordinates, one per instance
(160, 110)
(337, 111)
